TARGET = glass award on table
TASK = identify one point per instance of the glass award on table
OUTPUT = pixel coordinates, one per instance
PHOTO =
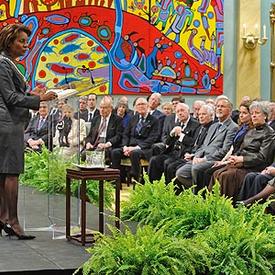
(95, 159)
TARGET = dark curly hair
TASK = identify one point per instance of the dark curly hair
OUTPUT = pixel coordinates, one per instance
(9, 33)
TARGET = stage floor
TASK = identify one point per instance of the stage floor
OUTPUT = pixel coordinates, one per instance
(49, 253)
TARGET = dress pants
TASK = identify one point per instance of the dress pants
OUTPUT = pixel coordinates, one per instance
(135, 157)
(190, 171)
(253, 184)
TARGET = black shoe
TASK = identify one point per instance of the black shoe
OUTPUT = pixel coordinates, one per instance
(11, 232)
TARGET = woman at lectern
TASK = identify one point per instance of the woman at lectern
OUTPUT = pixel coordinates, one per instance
(15, 102)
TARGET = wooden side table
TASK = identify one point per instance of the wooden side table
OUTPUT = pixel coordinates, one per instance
(92, 174)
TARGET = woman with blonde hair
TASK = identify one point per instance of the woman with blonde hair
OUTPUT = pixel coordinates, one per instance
(70, 132)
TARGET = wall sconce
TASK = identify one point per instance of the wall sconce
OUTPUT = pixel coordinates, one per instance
(250, 40)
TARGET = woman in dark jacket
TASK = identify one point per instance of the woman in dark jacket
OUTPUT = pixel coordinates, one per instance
(15, 103)
(252, 155)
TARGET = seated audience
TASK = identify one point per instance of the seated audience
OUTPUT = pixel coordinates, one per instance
(70, 133)
(106, 129)
(83, 111)
(154, 102)
(215, 146)
(206, 118)
(179, 141)
(196, 107)
(122, 111)
(257, 186)
(245, 123)
(253, 154)
(235, 113)
(91, 107)
(167, 108)
(38, 132)
(138, 138)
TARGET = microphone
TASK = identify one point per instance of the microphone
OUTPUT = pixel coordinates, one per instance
(84, 68)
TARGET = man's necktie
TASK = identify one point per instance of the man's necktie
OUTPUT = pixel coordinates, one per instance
(202, 129)
(90, 117)
(40, 123)
(139, 126)
(101, 129)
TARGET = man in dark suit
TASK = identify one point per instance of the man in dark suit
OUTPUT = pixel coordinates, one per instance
(138, 138)
(154, 103)
(206, 117)
(39, 131)
(216, 144)
(180, 141)
(169, 123)
(106, 129)
(91, 107)
(83, 111)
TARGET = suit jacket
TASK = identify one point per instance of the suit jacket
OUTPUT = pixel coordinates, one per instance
(188, 140)
(218, 142)
(272, 124)
(161, 117)
(257, 147)
(114, 130)
(200, 135)
(168, 125)
(147, 136)
(82, 115)
(14, 113)
(33, 132)
(96, 113)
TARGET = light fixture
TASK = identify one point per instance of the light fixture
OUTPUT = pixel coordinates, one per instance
(251, 40)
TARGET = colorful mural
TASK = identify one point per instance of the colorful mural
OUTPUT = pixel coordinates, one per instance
(122, 47)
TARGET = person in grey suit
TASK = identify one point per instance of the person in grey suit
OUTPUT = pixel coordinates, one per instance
(138, 139)
(216, 144)
(179, 141)
(15, 102)
(206, 116)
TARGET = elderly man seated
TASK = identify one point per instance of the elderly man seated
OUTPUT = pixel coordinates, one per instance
(179, 141)
(138, 138)
(215, 146)
(106, 129)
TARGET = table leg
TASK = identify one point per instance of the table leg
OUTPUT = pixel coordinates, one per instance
(117, 210)
(101, 207)
(68, 208)
(83, 211)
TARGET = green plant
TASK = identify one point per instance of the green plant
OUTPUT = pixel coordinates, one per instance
(46, 171)
(149, 251)
(184, 215)
(149, 203)
(241, 245)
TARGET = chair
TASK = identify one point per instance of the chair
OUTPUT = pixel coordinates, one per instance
(126, 162)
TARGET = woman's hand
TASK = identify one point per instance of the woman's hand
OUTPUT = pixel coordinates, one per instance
(270, 170)
(48, 96)
(41, 92)
(236, 160)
